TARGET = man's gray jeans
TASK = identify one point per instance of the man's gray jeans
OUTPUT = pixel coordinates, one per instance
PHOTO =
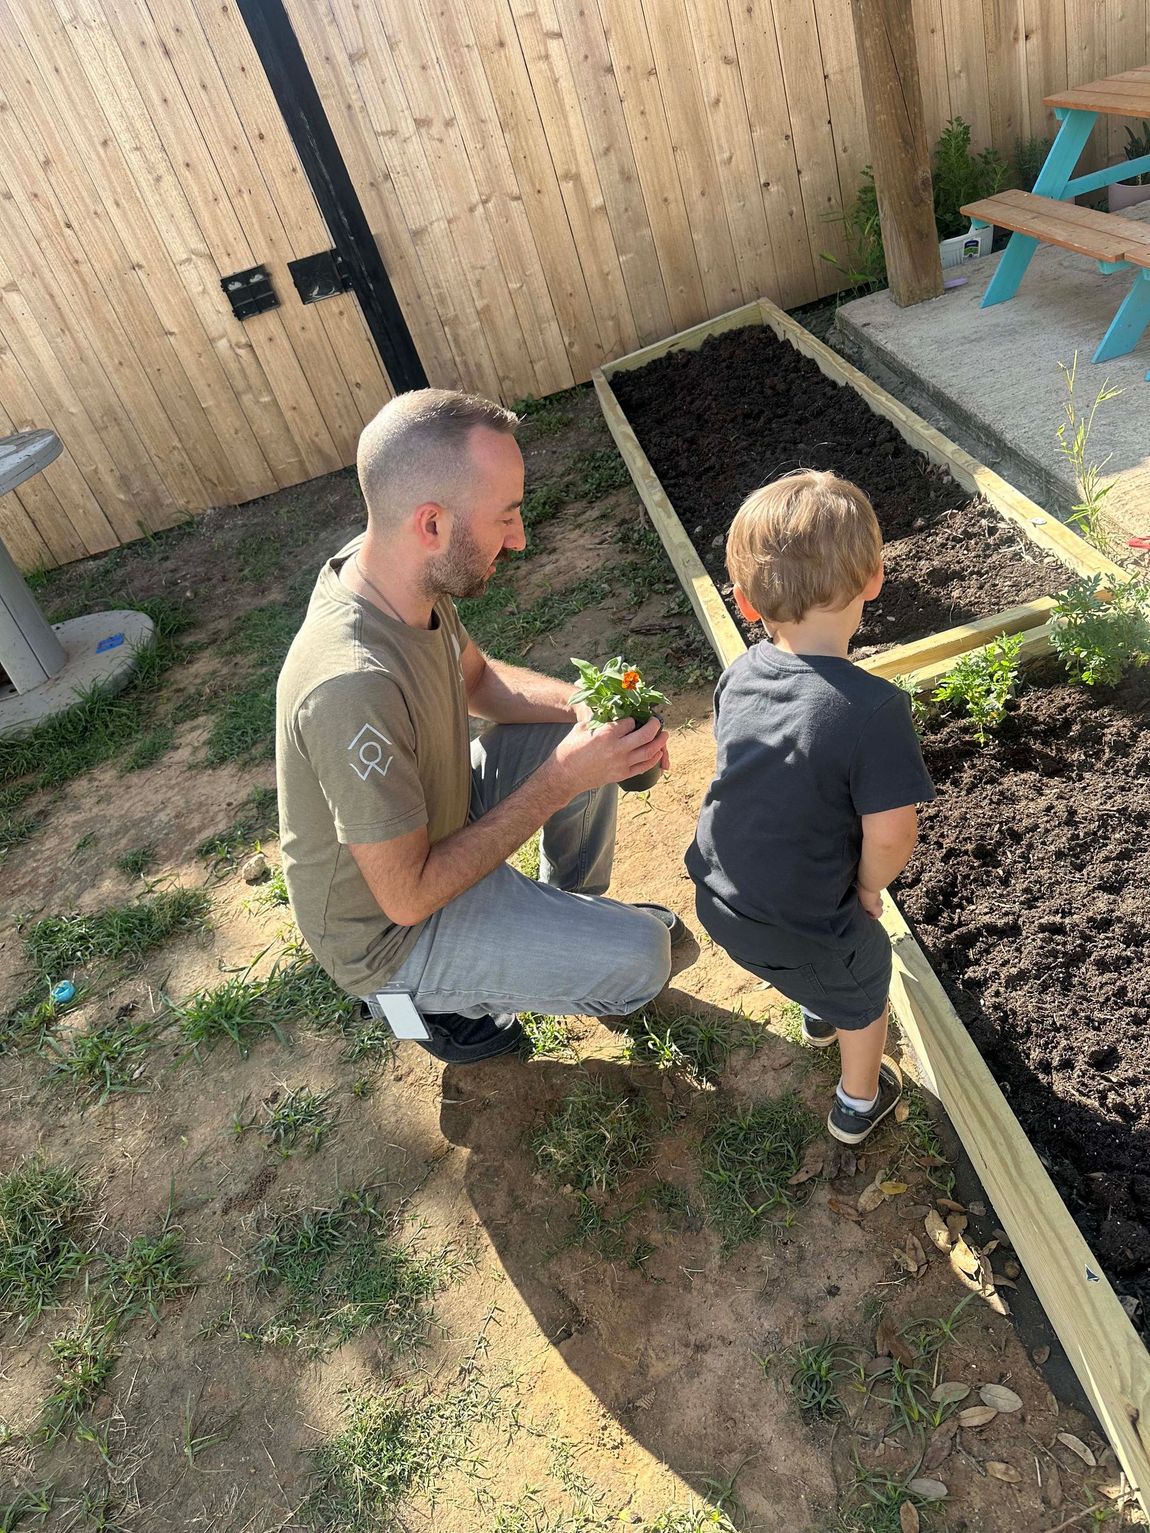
(555, 946)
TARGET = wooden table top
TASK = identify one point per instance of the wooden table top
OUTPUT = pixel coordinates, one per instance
(1124, 95)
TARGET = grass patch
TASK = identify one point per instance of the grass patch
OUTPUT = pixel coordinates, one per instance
(104, 1061)
(243, 1009)
(243, 728)
(699, 1045)
(152, 1270)
(873, 1505)
(342, 1271)
(258, 815)
(547, 1037)
(84, 1358)
(609, 1235)
(594, 1139)
(819, 1368)
(41, 1211)
(157, 742)
(59, 945)
(595, 473)
(505, 630)
(394, 1445)
(136, 862)
(274, 894)
(748, 1158)
(301, 1116)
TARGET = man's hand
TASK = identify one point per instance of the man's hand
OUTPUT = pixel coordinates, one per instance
(590, 758)
(870, 900)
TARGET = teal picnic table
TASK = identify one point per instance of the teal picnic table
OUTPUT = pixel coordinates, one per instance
(1049, 215)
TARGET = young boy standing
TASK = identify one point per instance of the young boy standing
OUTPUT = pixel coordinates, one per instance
(812, 810)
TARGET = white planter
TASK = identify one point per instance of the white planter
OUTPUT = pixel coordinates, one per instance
(1122, 194)
(965, 247)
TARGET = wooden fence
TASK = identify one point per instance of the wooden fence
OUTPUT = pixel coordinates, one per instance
(552, 183)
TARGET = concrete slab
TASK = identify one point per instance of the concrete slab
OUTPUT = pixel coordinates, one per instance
(993, 375)
(100, 653)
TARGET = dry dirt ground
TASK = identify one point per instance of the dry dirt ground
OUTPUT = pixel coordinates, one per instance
(579, 1360)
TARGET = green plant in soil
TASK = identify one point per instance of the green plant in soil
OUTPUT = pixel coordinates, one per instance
(1136, 146)
(982, 683)
(243, 1009)
(102, 1061)
(595, 473)
(594, 1139)
(84, 1356)
(1029, 158)
(42, 1242)
(152, 1270)
(546, 1037)
(341, 1271)
(1099, 641)
(865, 265)
(818, 1371)
(959, 177)
(918, 709)
(1074, 443)
(243, 728)
(136, 862)
(699, 1045)
(258, 816)
(691, 1519)
(617, 691)
(26, 1504)
(748, 1158)
(59, 945)
(299, 1116)
(874, 1505)
(506, 629)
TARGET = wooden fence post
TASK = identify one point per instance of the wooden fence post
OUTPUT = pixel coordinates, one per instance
(884, 33)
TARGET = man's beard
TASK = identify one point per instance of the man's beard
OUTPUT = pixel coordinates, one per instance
(461, 571)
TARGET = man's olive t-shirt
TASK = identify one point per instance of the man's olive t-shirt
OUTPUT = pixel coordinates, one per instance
(372, 742)
(807, 744)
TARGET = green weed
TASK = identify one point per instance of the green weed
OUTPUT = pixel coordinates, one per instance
(102, 1061)
(526, 859)
(982, 682)
(547, 1037)
(84, 1358)
(1074, 442)
(594, 1139)
(242, 1009)
(59, 945)
(243, 728)
(136, 862)
(274, 894)
(42, 1207)
(818, 1372)
(1099, 641)
(25, 1504)
(595, 473)
(873, 1504)
(237, 1010)
(194, 1438)
(343, 1271)
(299, 1116)
(748, 1158)
(156, 742)
(700, 1045)
(692, 1519)
(258, 816)
(505, 630)
(152, 1270)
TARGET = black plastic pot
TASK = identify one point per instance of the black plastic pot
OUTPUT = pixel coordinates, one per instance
(642, 780)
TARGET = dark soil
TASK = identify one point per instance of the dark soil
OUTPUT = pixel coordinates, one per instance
(1029, 895)
(746, 407)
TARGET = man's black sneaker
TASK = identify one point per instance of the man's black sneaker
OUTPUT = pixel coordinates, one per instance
(817, 1033)
(670, 920)
(460, 1040)
(850, 1126)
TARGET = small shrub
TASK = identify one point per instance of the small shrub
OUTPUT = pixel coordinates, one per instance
(960, 177)
(982, 683)
(1099, 641)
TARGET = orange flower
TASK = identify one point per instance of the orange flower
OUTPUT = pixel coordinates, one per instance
(631, 680)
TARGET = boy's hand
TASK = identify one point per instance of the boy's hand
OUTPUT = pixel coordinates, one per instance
(870, 900)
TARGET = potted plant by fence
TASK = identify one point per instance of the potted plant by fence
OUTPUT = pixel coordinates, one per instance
(1124, 194)
(619, 692)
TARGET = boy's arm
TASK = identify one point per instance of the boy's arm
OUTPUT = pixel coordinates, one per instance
(888, 839)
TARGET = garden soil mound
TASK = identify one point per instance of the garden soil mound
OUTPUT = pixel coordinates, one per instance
(1029, 894)
(746, 407)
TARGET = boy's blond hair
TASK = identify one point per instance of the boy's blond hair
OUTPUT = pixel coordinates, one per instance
(809, 539)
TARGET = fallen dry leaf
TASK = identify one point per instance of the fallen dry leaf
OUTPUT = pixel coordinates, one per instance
(847, 1210)
(939, 1446)
(888, 1343)
(908, 1518)
(870, 1198)
(812, 1164)
(950, 1392)
(1040, 1355)
(1000, 1397)
(1003, 1282)
(1076, 1445)
(1003, 1239)
(1007, 1472)
(893, 1189)
(901, 1114)
(990, 1247)
(951, 1205)
(975, 1416)
(956, 1224)
(915, 1252)
(936, 1229)
(964, 1258)
(977, 1209)
(906, 1261)
(927, 1489)
(1052, 1488)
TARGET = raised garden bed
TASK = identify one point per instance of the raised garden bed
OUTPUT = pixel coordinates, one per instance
(1102, 1346)
(1029, 897)
(745, 407)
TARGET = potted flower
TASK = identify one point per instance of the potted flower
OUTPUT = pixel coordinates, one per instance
(619, 692)
(1124, 194)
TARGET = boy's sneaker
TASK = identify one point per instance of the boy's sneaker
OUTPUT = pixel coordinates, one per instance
(849, 1125)
(817, 1033)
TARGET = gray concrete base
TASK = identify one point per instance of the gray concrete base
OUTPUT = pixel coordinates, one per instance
(993, 375)
(100, 652)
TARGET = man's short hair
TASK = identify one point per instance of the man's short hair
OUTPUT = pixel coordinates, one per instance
(809, 539)
(417, 449)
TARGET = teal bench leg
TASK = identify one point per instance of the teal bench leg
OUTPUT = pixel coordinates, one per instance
(1128, 324)
(1064, 155)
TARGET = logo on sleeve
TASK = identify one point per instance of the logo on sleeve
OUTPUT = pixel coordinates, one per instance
(368, 746)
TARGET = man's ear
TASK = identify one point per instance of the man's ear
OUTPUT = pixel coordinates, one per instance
(431, 526)
(744, 605)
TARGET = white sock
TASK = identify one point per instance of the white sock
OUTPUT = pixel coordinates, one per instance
(860, 1104)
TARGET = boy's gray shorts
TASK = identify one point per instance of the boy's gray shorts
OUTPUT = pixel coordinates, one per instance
(846, 983)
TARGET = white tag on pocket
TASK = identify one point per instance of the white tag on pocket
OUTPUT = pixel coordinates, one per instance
(402, 1016)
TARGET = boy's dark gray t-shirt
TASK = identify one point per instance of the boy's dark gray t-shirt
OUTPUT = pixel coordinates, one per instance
(807, 744)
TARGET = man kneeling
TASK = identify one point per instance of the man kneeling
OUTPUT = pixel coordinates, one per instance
(395, 828)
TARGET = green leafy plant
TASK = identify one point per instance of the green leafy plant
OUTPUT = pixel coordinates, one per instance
(960, 177)
(1073, 442)
(865, 265)
(1029, 158)
(918, 708)
(615, 692)
(1137, 144)
(983, 682)
(1099, 641)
